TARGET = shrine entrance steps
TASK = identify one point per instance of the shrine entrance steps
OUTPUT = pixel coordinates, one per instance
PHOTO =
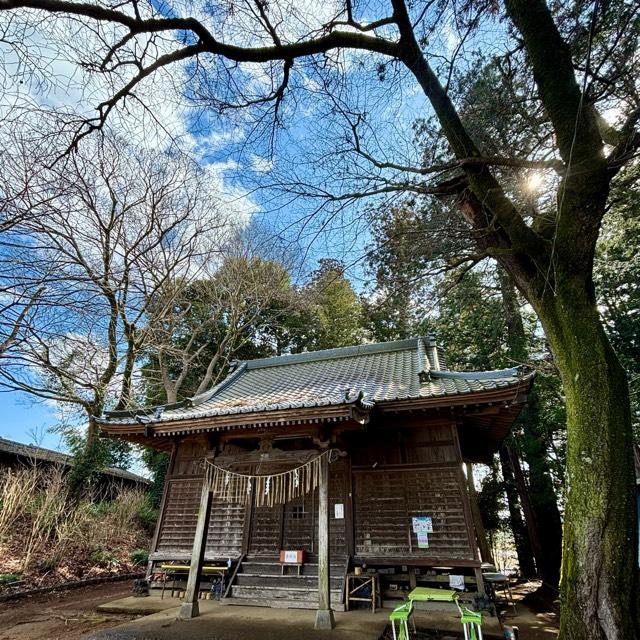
(260, 582)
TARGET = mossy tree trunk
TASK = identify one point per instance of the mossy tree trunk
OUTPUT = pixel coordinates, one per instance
(599, 557)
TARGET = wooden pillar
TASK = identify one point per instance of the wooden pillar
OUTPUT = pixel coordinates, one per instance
(466, 507)
(189, 608)
(324, 615)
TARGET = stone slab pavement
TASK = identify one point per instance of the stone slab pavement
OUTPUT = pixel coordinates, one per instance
(226, 622)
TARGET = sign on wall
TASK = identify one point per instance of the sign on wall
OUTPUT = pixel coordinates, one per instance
(422, 523)
(422, 527)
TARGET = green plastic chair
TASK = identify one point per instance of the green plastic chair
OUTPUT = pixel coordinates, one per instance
(471, 623)
(401, 615)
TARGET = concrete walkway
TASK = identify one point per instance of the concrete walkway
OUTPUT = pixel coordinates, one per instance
(222, 622)
(218, 622)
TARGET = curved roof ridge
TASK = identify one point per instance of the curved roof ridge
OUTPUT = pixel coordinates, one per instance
(335, 353)
(479, 375)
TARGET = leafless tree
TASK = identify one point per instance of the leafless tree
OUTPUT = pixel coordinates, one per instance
(102, 232)
(205, 323)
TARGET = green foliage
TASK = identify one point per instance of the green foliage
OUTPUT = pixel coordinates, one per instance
(157, 462)
(406, 261)
(147, 515)
(50, 564)
(9, 578)
(103, 557)
(492, 503)
(90, 461)
(617, 277)
(140, 556)
(333, 311)
(470, 324)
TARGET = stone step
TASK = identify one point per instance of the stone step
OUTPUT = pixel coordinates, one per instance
(306, 597)
(260, 582)
(295, 593)
(274, 568)
(285, 581)
(277, 604)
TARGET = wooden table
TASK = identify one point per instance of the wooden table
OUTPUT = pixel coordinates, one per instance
(496, 580)
(356, 585)
(427, 594)
(471, 621)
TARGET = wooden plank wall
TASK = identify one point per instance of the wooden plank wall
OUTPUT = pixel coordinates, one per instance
(408, 473)
(180, 512)
(179, 517)
(275, 528)
(396, 473)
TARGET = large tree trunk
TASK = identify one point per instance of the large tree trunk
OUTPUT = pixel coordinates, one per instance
(518, 528)
(599, 559)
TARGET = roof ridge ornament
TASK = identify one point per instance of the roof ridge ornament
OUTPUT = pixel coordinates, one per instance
(424, 366)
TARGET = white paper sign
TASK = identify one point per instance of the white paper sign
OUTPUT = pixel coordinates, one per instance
(291, 557)
(338, 509)
(422, 524)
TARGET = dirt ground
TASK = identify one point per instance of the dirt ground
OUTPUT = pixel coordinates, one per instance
(534, 620)
(69, 615)
(66, 615)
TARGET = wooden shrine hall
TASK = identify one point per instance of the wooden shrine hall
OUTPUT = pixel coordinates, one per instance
(345, 462)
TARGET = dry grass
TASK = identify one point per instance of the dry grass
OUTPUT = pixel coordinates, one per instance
(47, 536)
(15, 484)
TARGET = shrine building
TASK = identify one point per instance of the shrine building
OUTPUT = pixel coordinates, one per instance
(340, 462)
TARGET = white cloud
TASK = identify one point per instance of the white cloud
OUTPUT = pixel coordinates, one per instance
(260, 164)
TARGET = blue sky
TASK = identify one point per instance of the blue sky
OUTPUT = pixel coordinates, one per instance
(225, 144)
(26, 419)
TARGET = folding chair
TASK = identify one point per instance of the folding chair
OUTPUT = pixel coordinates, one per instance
(401, 614)
(471, 622)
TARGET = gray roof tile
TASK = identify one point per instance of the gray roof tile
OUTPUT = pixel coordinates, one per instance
(369, 374)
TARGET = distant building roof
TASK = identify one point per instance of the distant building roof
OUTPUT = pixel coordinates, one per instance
(367, 375)
(40, 454)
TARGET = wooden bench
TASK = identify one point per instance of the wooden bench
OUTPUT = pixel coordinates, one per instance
(173, 571)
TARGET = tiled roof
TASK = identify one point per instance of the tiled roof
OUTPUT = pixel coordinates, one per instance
(40, 454)
(368, 375)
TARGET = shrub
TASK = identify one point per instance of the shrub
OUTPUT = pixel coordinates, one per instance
(103, 557)
(147, 515)
(8, 578)
(16, 485)
(48, 530)
(49, 564)
(139, 556)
